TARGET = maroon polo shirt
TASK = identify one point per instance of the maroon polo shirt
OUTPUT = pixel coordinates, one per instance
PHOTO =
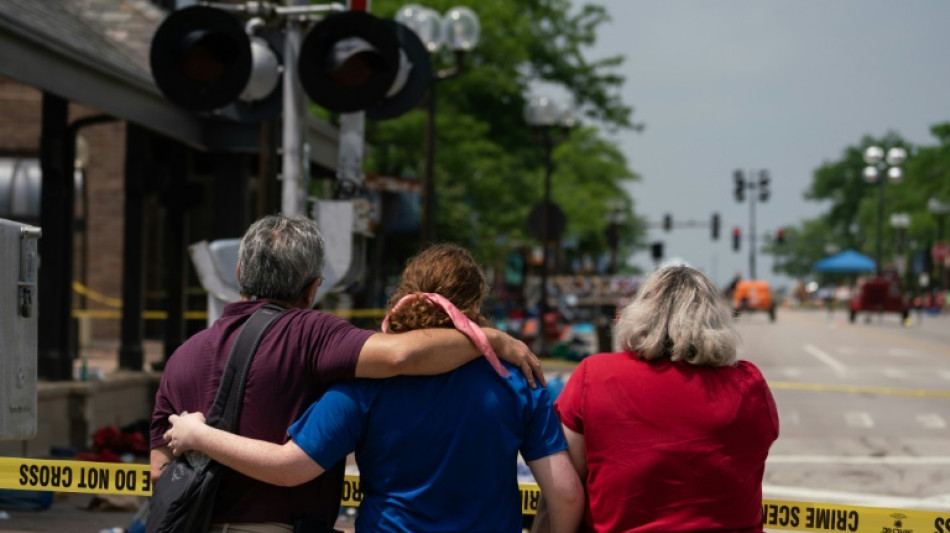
(302, 353)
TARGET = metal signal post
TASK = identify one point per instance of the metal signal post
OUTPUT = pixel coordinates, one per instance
(745, 181)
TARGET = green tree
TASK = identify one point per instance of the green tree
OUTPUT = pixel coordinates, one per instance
(852, 217)
(488, 166)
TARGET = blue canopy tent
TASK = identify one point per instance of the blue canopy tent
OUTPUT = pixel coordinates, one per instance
(847, 262)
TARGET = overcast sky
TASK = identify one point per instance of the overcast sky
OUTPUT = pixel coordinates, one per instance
(782, 85)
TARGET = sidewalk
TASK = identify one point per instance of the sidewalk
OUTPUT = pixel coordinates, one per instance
(69, 513)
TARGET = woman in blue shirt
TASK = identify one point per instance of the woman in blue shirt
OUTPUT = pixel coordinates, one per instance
(435, 453)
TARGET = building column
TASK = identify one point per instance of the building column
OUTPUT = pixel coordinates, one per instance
(55, 324)
(137, 158)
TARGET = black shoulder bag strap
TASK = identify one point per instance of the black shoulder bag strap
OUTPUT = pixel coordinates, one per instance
(225, 412)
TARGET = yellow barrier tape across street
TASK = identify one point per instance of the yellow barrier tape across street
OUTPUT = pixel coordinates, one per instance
(75, 476)
(133, 479)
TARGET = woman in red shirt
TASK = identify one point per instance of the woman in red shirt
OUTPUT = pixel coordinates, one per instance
(672, 433)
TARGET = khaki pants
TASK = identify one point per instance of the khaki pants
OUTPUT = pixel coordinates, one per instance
(257, 527)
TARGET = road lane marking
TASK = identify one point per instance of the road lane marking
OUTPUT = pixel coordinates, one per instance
(886, 460)
(856, 389)
(793, 417)
(922, 344)
(845, 350)
(825, 358)
(792, 372)
(858, 419)
(932, 421)
(903, 352)
(895, 373)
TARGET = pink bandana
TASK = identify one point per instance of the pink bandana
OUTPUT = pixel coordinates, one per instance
(462, 323)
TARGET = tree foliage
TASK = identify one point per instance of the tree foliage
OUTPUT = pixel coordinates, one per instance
(488, 165)
(858, 209)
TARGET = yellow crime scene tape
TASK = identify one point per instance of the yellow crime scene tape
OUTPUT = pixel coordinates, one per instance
(116, 304)
(133, 479)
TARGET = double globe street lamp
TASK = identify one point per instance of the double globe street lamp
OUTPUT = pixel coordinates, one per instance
(879, 164)
(552, 124)
(458, 30)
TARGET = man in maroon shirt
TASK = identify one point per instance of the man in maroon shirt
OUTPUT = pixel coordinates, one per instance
(303, 352)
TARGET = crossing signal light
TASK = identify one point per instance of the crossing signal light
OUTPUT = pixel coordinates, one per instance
(348, 61)
(667, 222)
(715, 226)
(204, 59)
(736, 238)
(764, 191)
(412, 79)
(780, 236)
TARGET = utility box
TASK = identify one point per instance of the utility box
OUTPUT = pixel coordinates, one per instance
(19, 261)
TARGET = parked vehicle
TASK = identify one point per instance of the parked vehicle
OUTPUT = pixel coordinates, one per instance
(879, 294)
(753, 295)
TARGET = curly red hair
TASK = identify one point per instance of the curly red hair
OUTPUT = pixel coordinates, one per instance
(446, 269)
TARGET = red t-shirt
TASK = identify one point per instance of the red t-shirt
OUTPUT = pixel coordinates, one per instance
(670, 446)
(302, 353)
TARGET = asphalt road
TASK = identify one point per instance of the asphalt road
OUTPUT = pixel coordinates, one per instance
(864, 407)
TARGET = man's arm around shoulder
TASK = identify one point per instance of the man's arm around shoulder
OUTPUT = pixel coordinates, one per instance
(426, 352)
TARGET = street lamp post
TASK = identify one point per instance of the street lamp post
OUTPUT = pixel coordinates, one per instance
(459, 30)
(616, 214)
(878, 165)
(552, 124)
(900, 222)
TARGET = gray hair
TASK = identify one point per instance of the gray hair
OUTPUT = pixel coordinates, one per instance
(279, 257)
(679, 314)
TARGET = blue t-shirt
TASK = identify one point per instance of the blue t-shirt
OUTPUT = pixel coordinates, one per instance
(435, 453)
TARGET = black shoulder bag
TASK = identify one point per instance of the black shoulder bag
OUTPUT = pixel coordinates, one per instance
(183, 497)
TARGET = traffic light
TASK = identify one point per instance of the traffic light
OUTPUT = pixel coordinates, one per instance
(736, 238)
(667, 222)
(204, 59)
(764, 191)
(715, 226)
(739, 191)
(780, 236)
(656, 250)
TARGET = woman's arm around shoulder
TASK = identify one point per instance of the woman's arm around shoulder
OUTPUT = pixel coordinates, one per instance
(286, 465)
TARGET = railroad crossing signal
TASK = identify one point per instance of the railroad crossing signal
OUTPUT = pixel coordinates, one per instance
(204, 58)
